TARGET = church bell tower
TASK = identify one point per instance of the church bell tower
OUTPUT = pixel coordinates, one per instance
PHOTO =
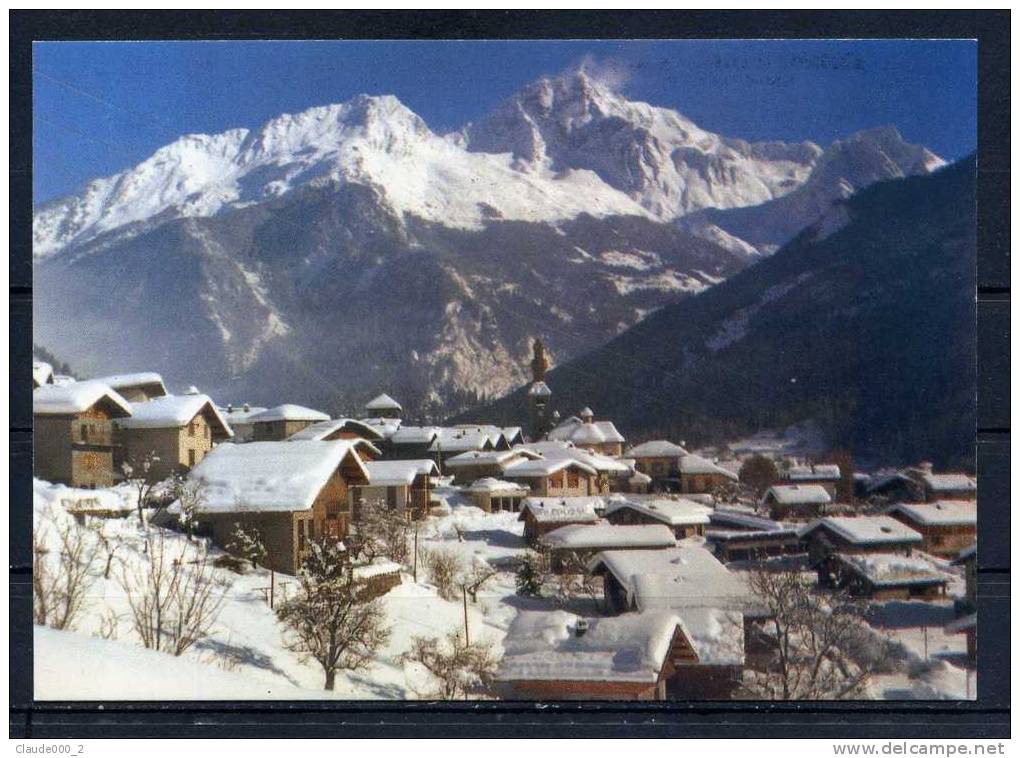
(539, 393)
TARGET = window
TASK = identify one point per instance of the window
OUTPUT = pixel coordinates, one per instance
(572, 479)
(84, 432)
(191, 457)
(191, 429)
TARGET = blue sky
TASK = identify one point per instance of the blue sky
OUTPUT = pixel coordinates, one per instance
(100, 107)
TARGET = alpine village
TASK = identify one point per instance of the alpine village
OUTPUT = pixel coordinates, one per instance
(210, 549)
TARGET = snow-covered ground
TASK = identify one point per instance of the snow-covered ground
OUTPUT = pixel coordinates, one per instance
(245, 657)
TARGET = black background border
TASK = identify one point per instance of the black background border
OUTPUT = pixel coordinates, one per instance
(987, 718)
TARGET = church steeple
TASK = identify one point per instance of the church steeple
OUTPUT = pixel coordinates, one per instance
(539, 393)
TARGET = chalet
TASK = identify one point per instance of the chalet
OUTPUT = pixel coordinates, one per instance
(404, 485)
(409, 442)
(72, 432)
(283, 421)
(42, 373)
(577, 543)
(796, 502)
(738, 536)
(177, 431)
(894, 488)
(543, 515)
(554, 478)
(966, 625)
(942, 486)
(585, 432)
(826, 475)
(612, 474)
(452, 441)
(493, 495)
(383, 406)
(291, 492)
(697, 475)
(853, 535)
(338, 429)
(136, 388)
(239, 417)
(676, 579)
(555, 655)
(881, 576)
(968, 559)
(684, 517)
(659, 459)
(947, 526)
(634, 482)
(473, 465)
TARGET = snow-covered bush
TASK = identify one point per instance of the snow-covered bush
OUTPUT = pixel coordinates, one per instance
(174, 595)
(246, 543)
(455, 669)
(61, 577)
(530, 575)
(382, 532)
(444, 569)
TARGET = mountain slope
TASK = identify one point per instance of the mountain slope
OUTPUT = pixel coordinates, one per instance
(347, 249)
(863, 323)
(845, 167)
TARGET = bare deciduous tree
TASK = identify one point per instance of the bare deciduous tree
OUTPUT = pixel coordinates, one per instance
(138, 472)
(61, 581)
(332, 620)
(456, 669)
(109, 547)
(382, 531)
(174, 601)
(817, 641)
(190, 494)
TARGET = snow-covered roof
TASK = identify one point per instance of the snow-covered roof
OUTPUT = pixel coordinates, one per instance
(865, 530)
(239, 414)
(543, 645)
(269, 476)
(413, 435)
(544, 467)
(939, 513)
(42, 372)
(383, 402)
(322, 429)
(138, 379)
(387, 427)
(172, 411)
(488, 457)
(962, 624)
(799, 494)
(731, 517)
(677, 578)
(585, 432)
(398, 473)
(559, 449)
(539, 389)
(551, 510)
(289, 412)
(966, 554)
(491, 484)
(828, 472)
(695, 464)
(882, 569)
(949, 482)
(656, 449)
(674, 512)
(608, 536)
(65, 399)
(457, 439)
